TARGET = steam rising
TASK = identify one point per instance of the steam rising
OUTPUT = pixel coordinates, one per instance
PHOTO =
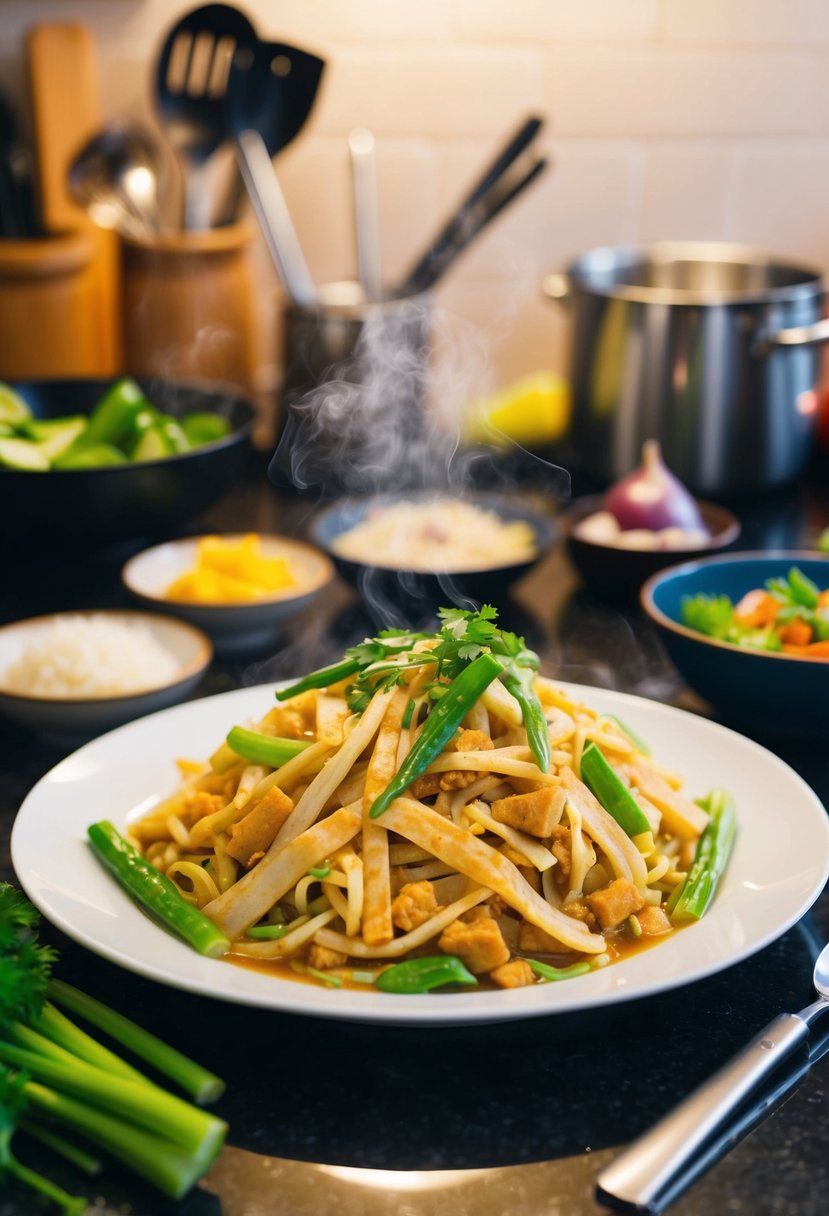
(373, 402)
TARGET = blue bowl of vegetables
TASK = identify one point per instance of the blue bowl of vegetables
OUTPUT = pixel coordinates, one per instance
(87, 461)
(750, 633)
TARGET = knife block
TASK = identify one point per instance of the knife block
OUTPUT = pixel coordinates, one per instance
(48, 308)
(188, 307)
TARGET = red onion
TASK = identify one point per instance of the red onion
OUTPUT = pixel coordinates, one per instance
(652, 498)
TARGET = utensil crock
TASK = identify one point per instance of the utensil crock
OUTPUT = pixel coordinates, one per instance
(351, 417)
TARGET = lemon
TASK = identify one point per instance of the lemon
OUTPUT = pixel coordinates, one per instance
(531, 411)
(13, 409)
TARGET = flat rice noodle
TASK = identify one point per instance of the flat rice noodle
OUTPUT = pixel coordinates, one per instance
(377, 923)
(680, 816)
(466, 853)
(279, 870)
(310, 805)
(355, 947)
(623, 855)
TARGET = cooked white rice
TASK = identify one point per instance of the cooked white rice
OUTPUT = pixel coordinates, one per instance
(442, 535)
(89, 656)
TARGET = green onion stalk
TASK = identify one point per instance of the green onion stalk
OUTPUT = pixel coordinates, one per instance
(58, 1081)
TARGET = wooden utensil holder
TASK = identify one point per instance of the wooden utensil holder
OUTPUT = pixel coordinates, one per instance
(188, 307)
(48, 308)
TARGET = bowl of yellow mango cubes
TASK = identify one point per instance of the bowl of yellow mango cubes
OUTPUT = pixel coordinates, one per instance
(238, 587)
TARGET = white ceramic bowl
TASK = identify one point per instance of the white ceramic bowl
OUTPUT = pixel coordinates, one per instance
(88, 716)
(231, 626)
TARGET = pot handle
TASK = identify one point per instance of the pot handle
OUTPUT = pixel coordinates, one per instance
(801, 335)
(557, 286)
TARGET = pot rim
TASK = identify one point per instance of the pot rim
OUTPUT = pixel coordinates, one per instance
(605, 257)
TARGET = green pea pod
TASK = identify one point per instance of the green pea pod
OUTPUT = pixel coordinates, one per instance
(611, 791)
(264, 749)
(440, 726)
(155, 891)
(418, 975)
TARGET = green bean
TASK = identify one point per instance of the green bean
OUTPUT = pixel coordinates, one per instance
(691, 898)
(155, 891)
(520, 681)
(324, 677)
(418, 975)
(611, 791)
(440, 726)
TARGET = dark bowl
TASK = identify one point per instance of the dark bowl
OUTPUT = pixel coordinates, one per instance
(125, 502)
(617, 574)
(768, 693)
(400, 584)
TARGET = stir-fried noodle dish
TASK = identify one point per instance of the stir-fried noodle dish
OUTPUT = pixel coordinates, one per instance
(431, 812)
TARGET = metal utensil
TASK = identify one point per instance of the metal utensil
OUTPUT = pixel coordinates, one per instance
(115, 178)
(190, 83)
(494, 190)
(274, 218)
(272, 88)
(644, 1171)
(361, 149)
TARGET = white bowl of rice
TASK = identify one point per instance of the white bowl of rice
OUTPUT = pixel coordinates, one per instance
(81, 673)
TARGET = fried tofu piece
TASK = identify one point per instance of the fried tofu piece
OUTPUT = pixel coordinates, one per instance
(472, 741)
(322, 958)
(680, 816)
(615, 903)
(578, 909)
(251, 836)
(654, 921)
(532, 940)
(515, 974)
(535, 813)
(414, 905)
(561, 849)
(454, 779)
(479, 944)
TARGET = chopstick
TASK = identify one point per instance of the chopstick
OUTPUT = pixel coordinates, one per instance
(488, 196)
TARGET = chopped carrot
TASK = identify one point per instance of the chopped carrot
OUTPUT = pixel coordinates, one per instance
(797, 633)
(815, 650)
(823, 599)
(756, 609)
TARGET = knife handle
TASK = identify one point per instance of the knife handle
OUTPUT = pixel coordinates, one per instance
(638, 1176)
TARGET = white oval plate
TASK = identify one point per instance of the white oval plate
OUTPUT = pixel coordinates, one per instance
(779, 865)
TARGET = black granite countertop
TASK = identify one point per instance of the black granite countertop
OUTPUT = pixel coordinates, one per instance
(485, 1119)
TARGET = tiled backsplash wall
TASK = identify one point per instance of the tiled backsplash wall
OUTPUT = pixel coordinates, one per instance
(666, 119)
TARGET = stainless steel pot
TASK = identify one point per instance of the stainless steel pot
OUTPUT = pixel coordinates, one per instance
(709, 348)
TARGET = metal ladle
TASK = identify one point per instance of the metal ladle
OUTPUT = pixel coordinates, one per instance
(115, 178)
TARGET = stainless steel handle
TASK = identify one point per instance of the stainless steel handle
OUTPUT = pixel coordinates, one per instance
(643, 1171)
(364, 182)
(268, 202)
(800, 335)
(557, 287)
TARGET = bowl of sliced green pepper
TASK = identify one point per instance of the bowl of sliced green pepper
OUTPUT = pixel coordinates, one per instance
(115, 460)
